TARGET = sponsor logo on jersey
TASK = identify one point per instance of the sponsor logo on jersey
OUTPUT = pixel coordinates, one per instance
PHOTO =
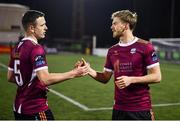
(154, 56)
(39, 60)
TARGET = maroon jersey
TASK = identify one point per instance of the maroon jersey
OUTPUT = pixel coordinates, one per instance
(27, 58)
(131, 59)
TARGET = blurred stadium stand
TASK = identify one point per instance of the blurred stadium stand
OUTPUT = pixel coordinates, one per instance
(10, 27)
(167, 48)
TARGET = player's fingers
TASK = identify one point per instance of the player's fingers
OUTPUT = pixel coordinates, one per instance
(88, 64)
(119, 81)
(80, 63)
(85, 73)
(77, 62)
(84, 69)
(119, 78)
(83, 60)
(77, 65)
(120, 86)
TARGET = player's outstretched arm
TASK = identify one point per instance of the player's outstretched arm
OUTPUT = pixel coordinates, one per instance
(102, 77)
(52, 78)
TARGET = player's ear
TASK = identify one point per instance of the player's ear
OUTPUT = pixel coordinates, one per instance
(31, 28)
(126, 26)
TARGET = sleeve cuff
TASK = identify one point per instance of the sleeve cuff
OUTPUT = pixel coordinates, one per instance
(40, 68)
(10, 69)
(108, 70)
(152, 65)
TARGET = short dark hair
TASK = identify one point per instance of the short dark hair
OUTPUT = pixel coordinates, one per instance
(30, 18)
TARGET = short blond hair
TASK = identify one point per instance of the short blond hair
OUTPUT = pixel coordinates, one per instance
(127, 17)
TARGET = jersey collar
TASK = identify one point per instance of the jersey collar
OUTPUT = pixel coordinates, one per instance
(29, 38)
(127, 44)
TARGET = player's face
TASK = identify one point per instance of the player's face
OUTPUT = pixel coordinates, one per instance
(40, 28)
(117, 27)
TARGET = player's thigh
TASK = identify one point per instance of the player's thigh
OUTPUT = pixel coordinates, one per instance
(44, 115)
(118, 115)
(131, 115)
(140, 115)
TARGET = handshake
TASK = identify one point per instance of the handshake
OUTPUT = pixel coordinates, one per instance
(81, 68)
(80, 63)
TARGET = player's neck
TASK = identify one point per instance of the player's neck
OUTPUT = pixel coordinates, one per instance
(126, 38)
(32, 37)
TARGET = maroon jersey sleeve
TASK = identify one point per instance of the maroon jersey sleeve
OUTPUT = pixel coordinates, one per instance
(151, 57)
(38, 58)
(108, 64)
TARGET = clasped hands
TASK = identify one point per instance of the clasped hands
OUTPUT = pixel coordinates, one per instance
(82, 67)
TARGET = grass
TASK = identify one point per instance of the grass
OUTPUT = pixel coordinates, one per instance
(92, 93)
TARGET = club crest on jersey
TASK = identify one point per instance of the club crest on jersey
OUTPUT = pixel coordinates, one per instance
(133, 50)
(39, 60)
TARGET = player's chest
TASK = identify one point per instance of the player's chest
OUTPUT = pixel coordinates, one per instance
(132, 56)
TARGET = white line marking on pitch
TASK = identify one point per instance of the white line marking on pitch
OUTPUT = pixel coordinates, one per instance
(92, 109)
(166, 104)
(101, 108)
(2, 65)
(70, 100)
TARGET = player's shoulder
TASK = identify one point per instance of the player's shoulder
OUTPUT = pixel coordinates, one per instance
(114, 46)
(33, 47)
(32, 43)
(145, 45)
(143, 41)
(38, 48)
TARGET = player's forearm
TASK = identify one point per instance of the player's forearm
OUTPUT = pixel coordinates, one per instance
(98, 76)
(54, 78)
(148, 79)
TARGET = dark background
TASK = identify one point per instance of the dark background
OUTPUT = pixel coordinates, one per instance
(156, 18)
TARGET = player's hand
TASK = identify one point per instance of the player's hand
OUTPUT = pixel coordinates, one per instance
(81, 68)
(80, 63)
(83, 63)
(123, 81)
(81, 71)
